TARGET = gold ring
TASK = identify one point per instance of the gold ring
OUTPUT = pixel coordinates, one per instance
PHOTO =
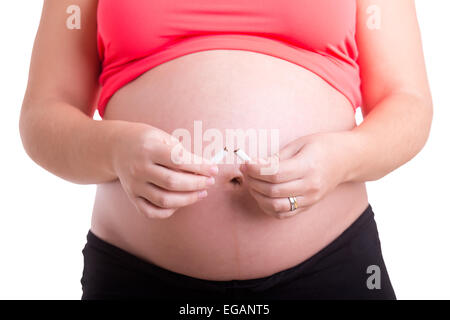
(293, 203)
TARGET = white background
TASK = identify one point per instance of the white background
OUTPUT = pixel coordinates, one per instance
(44, 219)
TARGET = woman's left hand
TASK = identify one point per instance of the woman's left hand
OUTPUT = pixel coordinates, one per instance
(308, 168)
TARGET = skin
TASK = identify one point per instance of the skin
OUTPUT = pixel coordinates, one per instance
(130, 160)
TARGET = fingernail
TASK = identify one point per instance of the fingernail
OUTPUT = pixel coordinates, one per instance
(210, 181)
(202, 194)
(214, 170)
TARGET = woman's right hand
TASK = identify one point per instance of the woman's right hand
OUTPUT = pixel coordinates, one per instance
(155, 183)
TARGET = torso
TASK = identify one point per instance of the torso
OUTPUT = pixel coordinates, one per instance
(226, 236)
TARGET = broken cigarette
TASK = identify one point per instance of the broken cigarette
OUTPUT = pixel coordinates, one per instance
(220, 155)
(242, 155)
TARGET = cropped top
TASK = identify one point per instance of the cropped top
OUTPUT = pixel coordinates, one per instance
(136, 35)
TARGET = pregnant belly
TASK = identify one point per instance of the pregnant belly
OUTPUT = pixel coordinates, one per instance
(226, 236)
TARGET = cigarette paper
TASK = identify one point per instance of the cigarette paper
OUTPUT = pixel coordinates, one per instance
(242, 155)
(220, 155)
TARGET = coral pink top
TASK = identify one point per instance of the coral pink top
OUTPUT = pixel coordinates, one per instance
(137, 35)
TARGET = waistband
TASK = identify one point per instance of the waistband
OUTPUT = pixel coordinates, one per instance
(129, 260)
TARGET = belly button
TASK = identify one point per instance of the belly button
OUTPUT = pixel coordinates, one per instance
(237, 181)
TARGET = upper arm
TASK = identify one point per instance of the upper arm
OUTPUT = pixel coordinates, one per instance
(390, 57)
(65, 64)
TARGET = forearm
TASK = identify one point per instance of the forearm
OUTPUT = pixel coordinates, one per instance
(391, 134)
(66, 142)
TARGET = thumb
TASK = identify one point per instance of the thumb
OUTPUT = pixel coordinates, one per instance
(292, 148)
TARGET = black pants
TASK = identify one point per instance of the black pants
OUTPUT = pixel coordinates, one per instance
(350, 267)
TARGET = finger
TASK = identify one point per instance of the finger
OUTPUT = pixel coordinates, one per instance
(150, 210)
(169, 199)
(288, 170)
(271, 205)
(288, 151)
(176, 180)
(177, 157)
(278, 207)
(292, 148)
(278, 190)
(301, 208)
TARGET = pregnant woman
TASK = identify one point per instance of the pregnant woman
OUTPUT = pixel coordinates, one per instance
(196, 229)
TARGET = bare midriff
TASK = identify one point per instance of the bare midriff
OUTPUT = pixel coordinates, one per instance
(226, 235)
